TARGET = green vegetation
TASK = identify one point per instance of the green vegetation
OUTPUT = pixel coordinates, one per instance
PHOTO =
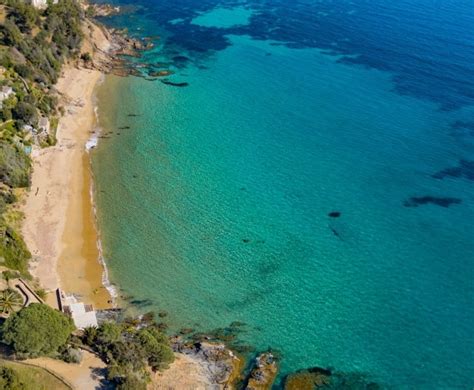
(86, 57)
(132, 348)
(18, 376)
(9, 379)
(10, 301)
(13, 250)
(130, 351)
(37, 330)
(43, 38)
(33, 46)
(15, 166)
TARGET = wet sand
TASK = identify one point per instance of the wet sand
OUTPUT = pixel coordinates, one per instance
(59, 226)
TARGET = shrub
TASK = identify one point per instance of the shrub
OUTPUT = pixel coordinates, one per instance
(41, 292)
(9, 379)
(37, 330)
(86, 57)
(15, 166)
(129, 350)
(26, 113)
(72, 355)
(13, 250)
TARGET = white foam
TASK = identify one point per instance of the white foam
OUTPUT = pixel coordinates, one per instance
(90, 144)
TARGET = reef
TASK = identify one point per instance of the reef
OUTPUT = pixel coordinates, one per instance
(167, 82)
(160, 73)
(464, 170)
(316, 378)
(438, 201)
(309, 379)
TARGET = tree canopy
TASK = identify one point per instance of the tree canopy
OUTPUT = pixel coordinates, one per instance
(129, 351)
(37, 330)
(10, 301)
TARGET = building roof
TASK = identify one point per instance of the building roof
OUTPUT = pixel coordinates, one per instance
(82, 316)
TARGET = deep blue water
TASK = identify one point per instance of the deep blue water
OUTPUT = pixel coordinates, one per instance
(215, 204)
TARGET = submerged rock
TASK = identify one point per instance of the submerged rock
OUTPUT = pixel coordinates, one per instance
(309, 379)
(436, 200)
(320, 378)
(167, 82)
(160, 73)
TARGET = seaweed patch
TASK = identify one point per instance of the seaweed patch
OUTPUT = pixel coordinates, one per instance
(464, 170)
(167, 82)
(438, 201)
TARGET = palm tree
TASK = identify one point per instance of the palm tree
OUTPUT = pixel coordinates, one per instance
(10, 301)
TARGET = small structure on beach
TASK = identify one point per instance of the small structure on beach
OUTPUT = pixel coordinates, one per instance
(83, 315)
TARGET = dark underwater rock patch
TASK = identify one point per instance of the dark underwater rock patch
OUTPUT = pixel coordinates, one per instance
(438, 201)
(320, 378)
(180, 61)
(159, 73)
(464, 170)
(462, 125)
(141, 302)
(173, 84)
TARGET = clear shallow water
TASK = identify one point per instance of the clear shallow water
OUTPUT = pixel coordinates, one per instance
(214, 204)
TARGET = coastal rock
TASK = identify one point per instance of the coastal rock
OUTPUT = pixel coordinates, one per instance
(263, 373)
(102, 10)
(221, 365)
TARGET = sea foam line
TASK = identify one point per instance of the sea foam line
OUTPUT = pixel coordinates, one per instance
(90, 144)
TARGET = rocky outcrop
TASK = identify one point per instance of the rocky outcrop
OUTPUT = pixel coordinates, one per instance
(102, 9)
(263, 373)
(220, 365)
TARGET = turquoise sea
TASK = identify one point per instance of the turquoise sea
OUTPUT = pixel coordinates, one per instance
(307, 170)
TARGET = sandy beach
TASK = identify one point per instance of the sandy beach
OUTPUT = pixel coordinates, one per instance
(59, 226)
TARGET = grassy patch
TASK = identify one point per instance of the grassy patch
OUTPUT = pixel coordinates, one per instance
(34, 378)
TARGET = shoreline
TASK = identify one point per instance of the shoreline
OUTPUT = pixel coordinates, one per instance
(60, 223)
(60, 226)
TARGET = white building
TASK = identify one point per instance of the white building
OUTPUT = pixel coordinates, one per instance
(41, 4)
(82, 315)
